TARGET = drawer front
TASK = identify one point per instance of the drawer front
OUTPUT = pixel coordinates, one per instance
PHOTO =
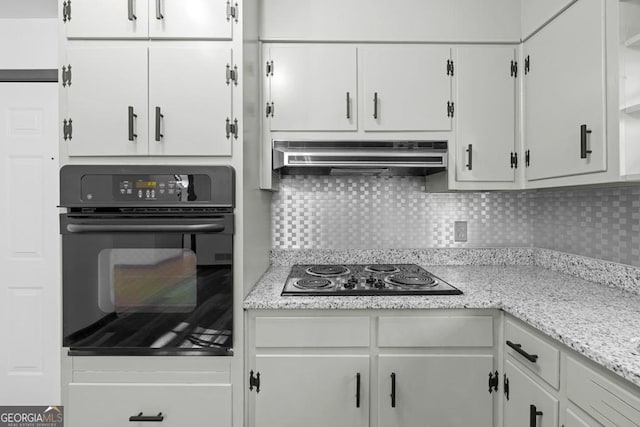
(111, 405)
(328, 331)
(435, 331)
(601, 398)
(573, 420)
(547, 362)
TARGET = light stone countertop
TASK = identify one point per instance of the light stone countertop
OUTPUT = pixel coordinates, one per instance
(600, 322)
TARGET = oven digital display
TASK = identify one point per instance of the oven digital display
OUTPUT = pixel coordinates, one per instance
(146, 184)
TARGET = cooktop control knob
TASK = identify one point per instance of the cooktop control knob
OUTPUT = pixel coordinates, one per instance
(371, 280)
(351, 283)
(379, 284)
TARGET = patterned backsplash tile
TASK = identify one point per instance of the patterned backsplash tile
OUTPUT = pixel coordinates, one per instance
(324, 212)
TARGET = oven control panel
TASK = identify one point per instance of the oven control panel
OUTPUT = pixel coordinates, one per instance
(153, 187)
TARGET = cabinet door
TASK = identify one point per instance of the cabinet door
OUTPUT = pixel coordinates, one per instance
(312, 391)
(523, 393)
(573, 420)
(189, 101)
(107, 101)
(565, 89)
(108, 19)
(197, 19)
(485, 113)
(406, 88)
(435, 390)
(313, 88)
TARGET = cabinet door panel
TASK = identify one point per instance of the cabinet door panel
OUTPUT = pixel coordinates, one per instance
(524, 392)
(564, 89)
(412, 88)
(198, 19)
(313, 88)
(311, 391)
(485, 113)
(108, 19)
(435, 390)
(189, 85)
(573, 420)
(105, 82)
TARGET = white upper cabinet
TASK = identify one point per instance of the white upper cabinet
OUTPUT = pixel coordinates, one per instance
(200, 19)
(134, 19)
(189, 105)
(535, 13)
(106, 18)
(106, 106)
(312, 88)
(406, 88)
(485, 114)
(565, 132)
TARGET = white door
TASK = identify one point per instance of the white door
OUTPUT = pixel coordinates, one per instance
(108, 19)
(313, 88)
(196, 19)
(312, 391)
(29, 245)
(406, 88)
(435, 390)
(107, 101)
(564, 90)
(525, 397)
(485, 113)
(189, 101)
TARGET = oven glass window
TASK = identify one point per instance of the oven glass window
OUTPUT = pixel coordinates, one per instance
(147, 280)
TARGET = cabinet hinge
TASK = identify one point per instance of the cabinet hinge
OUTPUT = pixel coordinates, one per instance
(506, 386)
(449, 67)
(66, 75)
(232, 11)
(493, 381)
(232, 128)
(232, 74)
(514, 160)
(270, 109)
(66, 11)
(269, 68)
(527, 65)
(514, 69)
(67, 129)
(450, 109)
(527, 158)
(254, 381)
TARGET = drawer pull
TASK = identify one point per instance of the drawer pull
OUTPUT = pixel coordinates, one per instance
(358, 390)
(147, 418)
(533, 415)
(518, 348)
(393, 389)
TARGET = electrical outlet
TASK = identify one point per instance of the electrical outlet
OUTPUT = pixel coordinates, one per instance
(460, 231)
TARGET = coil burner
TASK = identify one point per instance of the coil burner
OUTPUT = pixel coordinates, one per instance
(327, 270)
(314, 283)
(381, 268)
(411, 280)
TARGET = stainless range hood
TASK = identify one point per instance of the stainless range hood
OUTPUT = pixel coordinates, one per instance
(389, 157)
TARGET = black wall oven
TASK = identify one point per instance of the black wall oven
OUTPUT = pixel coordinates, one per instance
(147, 259)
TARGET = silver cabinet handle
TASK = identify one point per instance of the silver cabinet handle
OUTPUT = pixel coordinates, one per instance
(159, 117)
(348, 106)
(159, 15)
(132, 119)
(375, 105)
(131, 14)
(191, 228)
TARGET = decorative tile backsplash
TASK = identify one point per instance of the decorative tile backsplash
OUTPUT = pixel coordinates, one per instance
(324, 212)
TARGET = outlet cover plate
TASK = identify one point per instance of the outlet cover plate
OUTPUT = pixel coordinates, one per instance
(460, 231)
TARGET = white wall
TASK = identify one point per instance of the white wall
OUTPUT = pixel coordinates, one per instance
(28, 43)
(28, 9)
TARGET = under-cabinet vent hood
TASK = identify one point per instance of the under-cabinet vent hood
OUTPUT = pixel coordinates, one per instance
(359, 157)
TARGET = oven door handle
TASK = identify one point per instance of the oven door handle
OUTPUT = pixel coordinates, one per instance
(188, 228)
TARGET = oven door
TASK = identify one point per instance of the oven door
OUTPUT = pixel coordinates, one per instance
(147, 285)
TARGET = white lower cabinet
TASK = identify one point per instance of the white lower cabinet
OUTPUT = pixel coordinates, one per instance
(528, 405)
(571, 419)
(434, 390)
(169, 405)
(312, 390)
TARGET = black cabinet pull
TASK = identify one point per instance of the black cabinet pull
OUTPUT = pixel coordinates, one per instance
(348, 106)
(518, 348)
(132, 117)
(393, 389)
(147, 418)
(470, 151)
(358, 390)
(583, 141)
(375, 105)
(533, 415)
(159, 117)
